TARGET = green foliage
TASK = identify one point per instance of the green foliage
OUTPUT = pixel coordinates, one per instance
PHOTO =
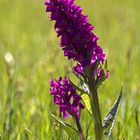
(110, 118)
(71, 131)
(86, 100)
(26, 32)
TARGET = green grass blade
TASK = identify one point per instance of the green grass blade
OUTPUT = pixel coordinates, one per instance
(70, 130)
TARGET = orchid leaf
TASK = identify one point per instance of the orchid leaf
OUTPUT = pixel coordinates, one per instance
(81, 91)
(85, 97)
(70, 130)
(86, 100)
(110, 118)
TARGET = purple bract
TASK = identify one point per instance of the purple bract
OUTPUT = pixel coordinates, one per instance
(66, 97)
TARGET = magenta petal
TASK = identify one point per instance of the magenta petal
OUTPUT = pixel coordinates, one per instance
(57, 100)
(65, 114)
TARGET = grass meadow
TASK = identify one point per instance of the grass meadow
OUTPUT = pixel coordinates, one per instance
(27, 33)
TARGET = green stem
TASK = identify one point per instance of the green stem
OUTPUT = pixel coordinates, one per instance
(96, 112)
(7, 126)
(80, 131)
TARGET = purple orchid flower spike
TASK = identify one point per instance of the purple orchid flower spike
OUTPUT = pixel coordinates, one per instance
(77, 39)
(66, 97)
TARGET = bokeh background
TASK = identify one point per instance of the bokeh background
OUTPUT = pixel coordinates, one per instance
(27, 33)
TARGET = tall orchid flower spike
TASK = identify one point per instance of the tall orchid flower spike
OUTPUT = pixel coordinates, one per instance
(77, 39)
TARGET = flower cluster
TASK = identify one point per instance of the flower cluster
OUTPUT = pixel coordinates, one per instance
(77, 40)
(66, 97)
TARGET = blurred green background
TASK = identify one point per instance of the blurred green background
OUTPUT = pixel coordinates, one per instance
(27, 33)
